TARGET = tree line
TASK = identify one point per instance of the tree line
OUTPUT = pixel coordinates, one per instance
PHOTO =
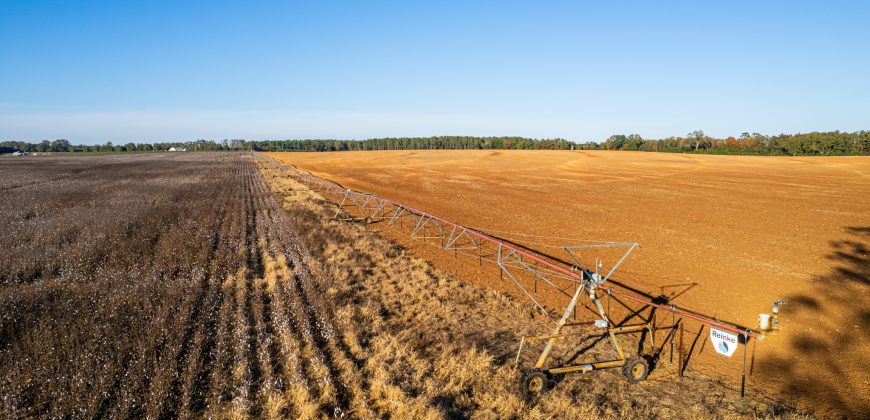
(831, 143)
(413, 143)
(64, 145)
(319, 145)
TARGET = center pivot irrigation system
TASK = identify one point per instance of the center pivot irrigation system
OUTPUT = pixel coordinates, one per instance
(559, 283)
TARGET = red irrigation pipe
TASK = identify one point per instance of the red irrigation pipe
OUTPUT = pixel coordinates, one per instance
(681, 312)
(691, 315)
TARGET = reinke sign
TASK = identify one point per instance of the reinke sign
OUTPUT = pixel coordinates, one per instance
(723, 341)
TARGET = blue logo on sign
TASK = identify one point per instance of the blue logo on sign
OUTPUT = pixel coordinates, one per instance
(723, 347)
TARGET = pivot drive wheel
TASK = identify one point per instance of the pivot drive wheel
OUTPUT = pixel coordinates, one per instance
(636, 369)
(534, 384)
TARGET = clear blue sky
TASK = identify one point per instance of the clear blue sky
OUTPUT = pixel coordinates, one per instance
(127, 71)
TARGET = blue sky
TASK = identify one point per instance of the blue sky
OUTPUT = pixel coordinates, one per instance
(128, 71)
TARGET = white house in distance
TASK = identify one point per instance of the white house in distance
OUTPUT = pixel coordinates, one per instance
(179, 149)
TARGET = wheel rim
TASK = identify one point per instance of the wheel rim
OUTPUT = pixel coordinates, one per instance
(535, 384)
(637, 371)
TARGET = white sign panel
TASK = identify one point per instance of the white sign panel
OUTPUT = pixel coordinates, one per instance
(723, 341)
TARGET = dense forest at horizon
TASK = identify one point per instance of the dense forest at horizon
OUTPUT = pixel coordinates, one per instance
(834, 143)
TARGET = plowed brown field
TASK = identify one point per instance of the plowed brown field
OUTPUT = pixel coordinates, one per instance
(744, 230)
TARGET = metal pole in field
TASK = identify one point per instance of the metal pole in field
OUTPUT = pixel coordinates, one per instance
(673, 334)
(653, 329)
(681, 349)
(479, 256)
(743, 375)
(500, 266)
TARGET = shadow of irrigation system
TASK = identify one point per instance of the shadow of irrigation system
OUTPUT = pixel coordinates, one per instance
(555, 286)
(837, 311)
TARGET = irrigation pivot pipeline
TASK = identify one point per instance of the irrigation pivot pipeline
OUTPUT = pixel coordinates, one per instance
(549, 283)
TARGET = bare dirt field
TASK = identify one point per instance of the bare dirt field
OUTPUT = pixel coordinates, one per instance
(209, 285)
(724, 235)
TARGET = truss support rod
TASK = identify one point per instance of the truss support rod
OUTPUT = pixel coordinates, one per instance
(558, 330)
(450, 238)
(594, 297)
(338, 210)
(420, 224)
(399, 211)
(506, 271)
(612, 269)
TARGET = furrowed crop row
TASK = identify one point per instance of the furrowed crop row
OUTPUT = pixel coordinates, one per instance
(180, 288)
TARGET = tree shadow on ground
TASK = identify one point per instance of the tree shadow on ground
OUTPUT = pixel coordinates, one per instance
(830, 332)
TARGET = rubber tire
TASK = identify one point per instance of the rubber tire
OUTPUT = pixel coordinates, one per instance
(636, 369)
(533, 384)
